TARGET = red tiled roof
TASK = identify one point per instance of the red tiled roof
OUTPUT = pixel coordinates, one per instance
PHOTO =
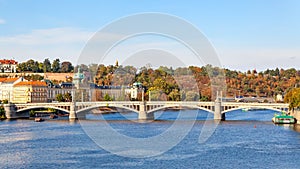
(10, 80)
(8, 62)
(2, 79)
(31, 83)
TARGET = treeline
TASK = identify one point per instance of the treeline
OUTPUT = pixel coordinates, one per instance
(167, 83)
(46, 66)
(189, 83)
(262, 84)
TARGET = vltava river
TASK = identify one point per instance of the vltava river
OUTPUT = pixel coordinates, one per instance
(245, 140)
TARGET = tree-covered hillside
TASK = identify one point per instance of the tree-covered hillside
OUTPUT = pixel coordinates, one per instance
(168, 83)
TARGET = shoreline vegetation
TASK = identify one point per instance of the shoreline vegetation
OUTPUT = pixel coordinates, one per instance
(167, 82)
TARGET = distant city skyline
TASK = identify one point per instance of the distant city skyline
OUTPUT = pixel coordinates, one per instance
(246, 34)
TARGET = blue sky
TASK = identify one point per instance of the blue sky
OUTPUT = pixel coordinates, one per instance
(251, 34)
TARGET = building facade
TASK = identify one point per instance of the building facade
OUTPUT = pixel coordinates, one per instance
(30, 92)
(8, 66)
(6, 88)
(62, 88)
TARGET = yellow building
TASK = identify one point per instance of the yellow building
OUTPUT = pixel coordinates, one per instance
(6, 87)
(30, 92)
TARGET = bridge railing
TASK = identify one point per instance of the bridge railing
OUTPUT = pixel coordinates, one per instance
(155, 103)
(284, 105)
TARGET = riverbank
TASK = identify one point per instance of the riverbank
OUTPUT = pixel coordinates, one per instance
(297, 116)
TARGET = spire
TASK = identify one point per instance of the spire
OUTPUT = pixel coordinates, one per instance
(117, 63)
(78, 72)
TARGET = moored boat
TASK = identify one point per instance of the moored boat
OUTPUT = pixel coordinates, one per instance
(53, 116)
(38, 119)
(283, 119)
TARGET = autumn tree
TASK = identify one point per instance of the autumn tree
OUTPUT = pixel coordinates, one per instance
(66, 67)
(293, 98)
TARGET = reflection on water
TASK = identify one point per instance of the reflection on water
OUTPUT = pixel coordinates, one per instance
(248, 140)
(296, 127)
(258, 115)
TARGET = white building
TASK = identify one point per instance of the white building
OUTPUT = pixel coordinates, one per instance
(279, 98)
(52, 92)
(134, 93)
(8, 66)
(7, 87)
(135, 90)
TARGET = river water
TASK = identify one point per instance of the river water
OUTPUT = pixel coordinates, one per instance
(244, 140)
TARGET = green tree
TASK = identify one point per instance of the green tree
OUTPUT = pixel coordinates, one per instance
(107, 97)
(41, 67)
(34, 77)
(52, 110)
(31, 113)
(31, 66)
(2, 112)
(67, 97)
(22, 67)
(204, 99)
(56, 66)
(59, 97)
(47, 65)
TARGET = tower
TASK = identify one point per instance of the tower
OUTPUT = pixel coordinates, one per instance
(78, 78)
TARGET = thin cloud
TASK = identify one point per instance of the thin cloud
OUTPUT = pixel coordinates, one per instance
(258, 58)
(49, 36)
(65, 43)
(2, 21)
(56, 36)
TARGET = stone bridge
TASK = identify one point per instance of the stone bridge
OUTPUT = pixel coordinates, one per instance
(145, 110)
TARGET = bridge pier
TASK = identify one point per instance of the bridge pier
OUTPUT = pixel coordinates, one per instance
(218, 115)
(72, 115)
(143, 115)
(10, 111)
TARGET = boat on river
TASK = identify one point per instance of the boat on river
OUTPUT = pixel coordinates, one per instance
(53, 116)
(283, 118)
(38, 119)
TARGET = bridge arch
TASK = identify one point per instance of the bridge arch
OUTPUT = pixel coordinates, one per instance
(80, 111)
(170, 106)
(41, 107)
(259, 107)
